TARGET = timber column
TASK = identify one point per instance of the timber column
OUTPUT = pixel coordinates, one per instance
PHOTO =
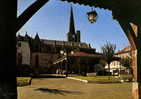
(8, 15)
(134, 37)
(136, 88)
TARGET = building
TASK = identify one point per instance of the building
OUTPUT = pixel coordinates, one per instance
(43, 62)
(23, 52)
(116, 66)
(44, 52)
(124, 53)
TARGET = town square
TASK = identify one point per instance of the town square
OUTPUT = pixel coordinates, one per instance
(66, 49)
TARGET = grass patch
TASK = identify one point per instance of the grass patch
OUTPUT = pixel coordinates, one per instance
(23, 81)
(126, 77)
(100, 79)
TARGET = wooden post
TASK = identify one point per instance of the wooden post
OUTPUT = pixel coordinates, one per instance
(8, 15)
(136, 88)
(134, 38)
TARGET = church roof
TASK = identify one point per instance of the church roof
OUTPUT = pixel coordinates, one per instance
(124, 50)
(86, 54)
(65, 43)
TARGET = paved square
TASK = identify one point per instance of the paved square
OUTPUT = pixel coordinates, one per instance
(63, 88)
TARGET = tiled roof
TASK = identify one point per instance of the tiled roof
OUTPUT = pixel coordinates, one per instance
(85, 54)
(125, 50)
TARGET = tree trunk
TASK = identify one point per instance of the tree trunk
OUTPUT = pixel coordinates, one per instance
(8, 15)
(109, 71)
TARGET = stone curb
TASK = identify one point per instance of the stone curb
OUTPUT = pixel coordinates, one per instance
(86, 81)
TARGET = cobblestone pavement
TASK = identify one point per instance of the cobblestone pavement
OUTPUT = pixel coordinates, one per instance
(63, 88)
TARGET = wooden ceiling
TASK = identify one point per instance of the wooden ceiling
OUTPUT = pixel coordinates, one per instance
(127, 10)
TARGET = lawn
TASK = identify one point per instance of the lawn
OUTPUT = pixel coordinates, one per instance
(126, 76)
(23, 81)
(102, 79)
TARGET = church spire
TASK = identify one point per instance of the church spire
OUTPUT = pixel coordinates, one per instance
(71, 27)
(71, 34)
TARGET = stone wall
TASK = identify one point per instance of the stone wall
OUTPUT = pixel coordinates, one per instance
(45, 60)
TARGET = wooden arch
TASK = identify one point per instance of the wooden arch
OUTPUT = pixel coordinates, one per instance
(125, 12)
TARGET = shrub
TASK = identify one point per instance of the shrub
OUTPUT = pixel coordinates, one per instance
(23, 81)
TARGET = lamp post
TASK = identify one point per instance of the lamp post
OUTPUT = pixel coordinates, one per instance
(65, 53)
(92, 16)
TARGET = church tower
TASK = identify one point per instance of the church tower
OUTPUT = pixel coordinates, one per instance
(71, 34)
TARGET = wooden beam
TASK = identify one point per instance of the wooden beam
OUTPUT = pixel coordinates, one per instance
(129, 33)
(29, 12)
(128, 9)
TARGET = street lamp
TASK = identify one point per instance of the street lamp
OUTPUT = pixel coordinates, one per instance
(65, 53)
(61, 52)
(92, 16)
(66, 58)
(72, 52)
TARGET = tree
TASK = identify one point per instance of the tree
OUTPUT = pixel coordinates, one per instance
(99, 68)
(108, 51)
(102, 62)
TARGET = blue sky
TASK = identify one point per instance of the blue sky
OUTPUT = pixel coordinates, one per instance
(52, 22)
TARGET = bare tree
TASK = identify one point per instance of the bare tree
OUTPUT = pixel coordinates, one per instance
(108, 51)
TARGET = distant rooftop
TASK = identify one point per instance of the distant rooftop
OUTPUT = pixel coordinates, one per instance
(57, 42)
(124, 50)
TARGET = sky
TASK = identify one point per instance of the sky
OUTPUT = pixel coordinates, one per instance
(52, 22)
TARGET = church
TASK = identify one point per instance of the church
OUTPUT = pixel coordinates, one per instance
(44, 54)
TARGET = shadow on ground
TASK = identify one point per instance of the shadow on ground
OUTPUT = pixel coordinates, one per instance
(57, 91)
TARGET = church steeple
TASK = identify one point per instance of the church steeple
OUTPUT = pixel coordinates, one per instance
(73, 36)
(71, 33)
(72, 26)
